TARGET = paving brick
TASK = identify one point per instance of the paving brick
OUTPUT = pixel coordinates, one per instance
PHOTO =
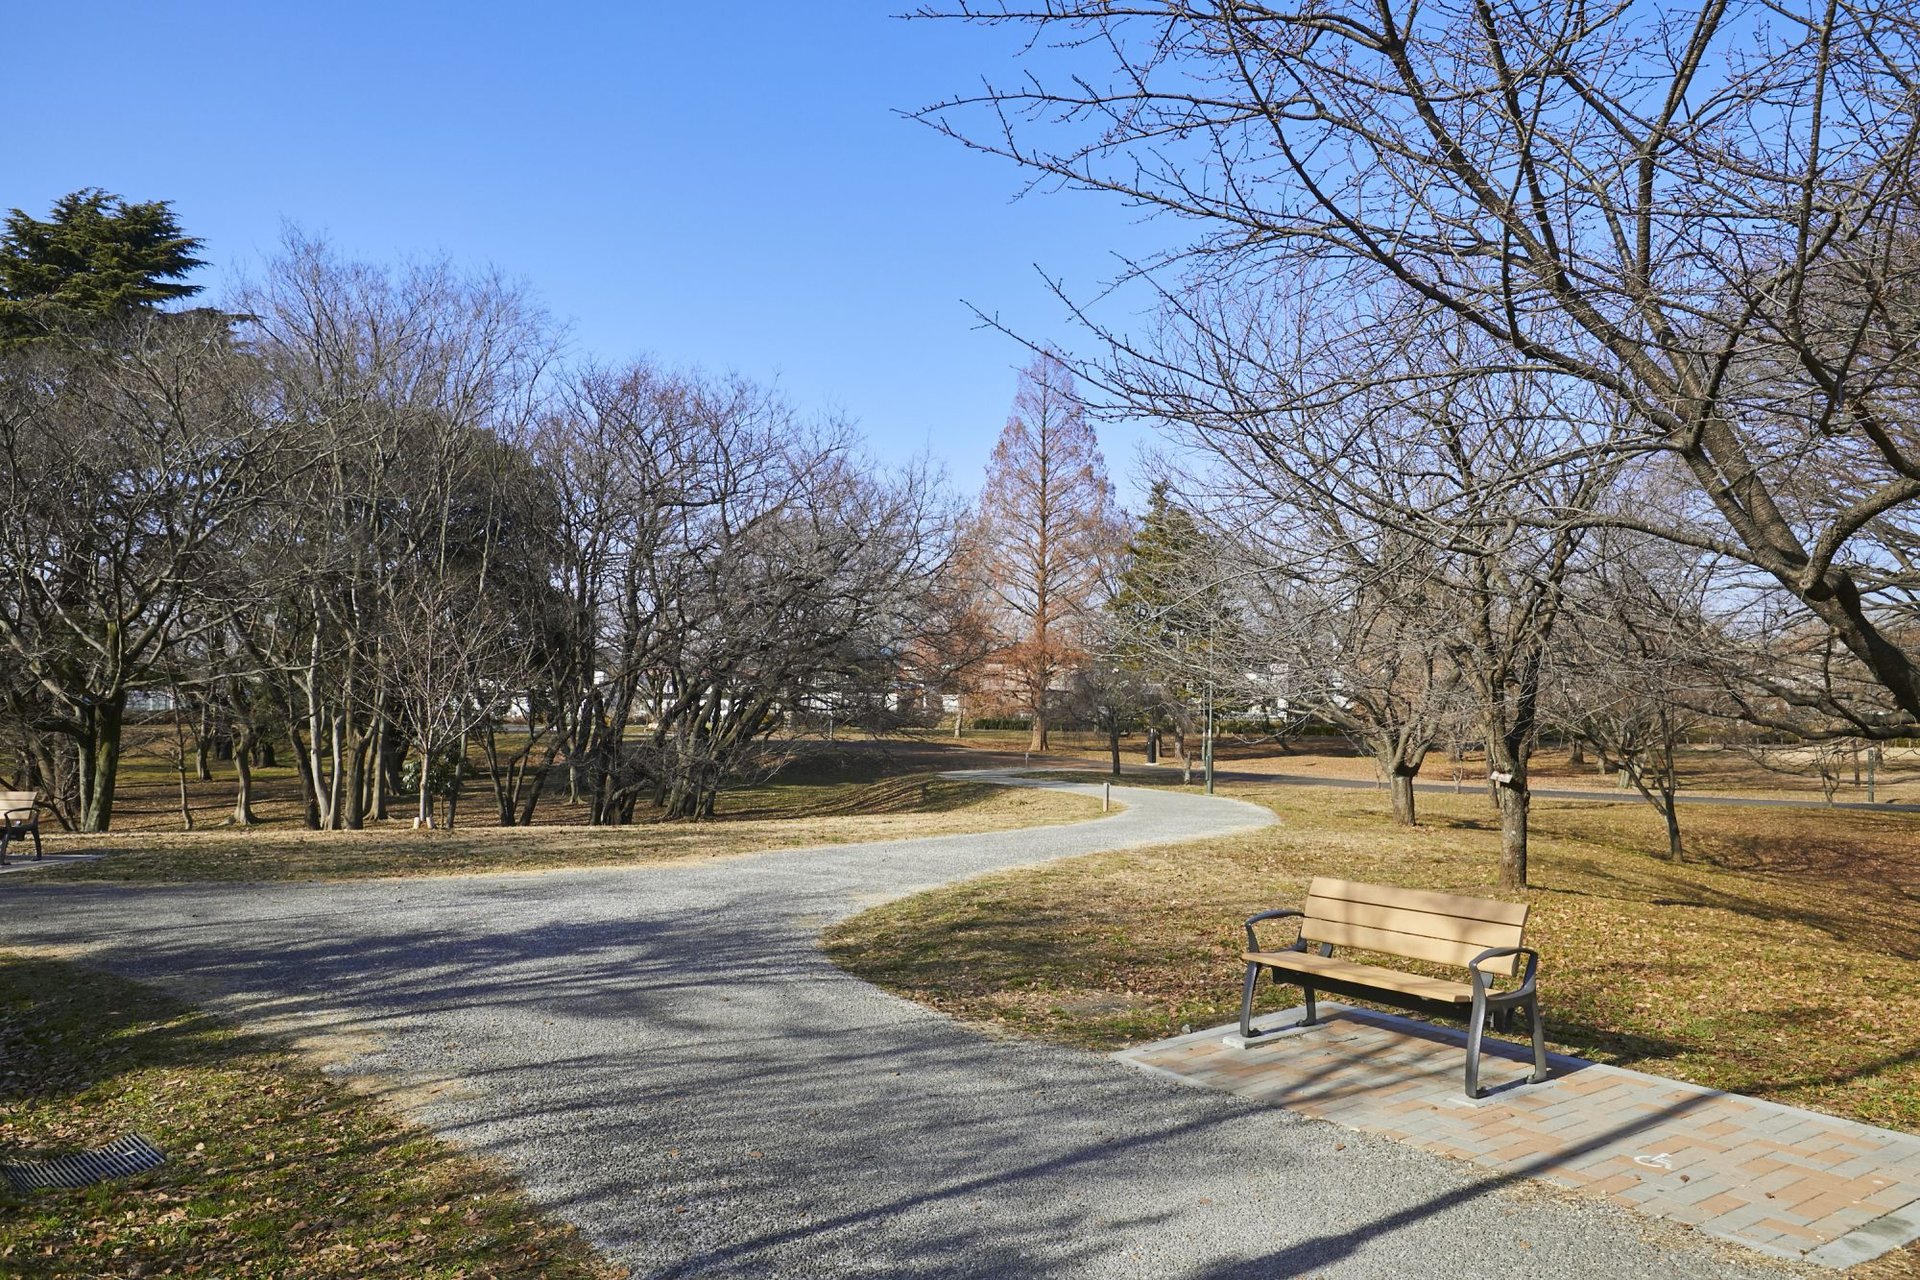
(1670, 1149)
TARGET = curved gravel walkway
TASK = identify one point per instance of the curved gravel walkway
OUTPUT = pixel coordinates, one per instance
(666, 1058)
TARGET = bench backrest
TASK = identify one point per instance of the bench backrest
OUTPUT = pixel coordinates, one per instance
(1445, 928)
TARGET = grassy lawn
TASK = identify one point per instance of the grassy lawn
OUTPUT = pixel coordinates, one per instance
(1782, 959)
(788, 813)
(273, 1170)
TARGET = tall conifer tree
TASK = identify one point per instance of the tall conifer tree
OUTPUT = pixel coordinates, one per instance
(1047, 536)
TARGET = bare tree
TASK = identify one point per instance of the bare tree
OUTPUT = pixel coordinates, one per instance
(1436, 443)
(1704, 215)
(1365, 630)
(733, 575)
(399, 392)
(1627, 672)
(125, 460)
(452, 666)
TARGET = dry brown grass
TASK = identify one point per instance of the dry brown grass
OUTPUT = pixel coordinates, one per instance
(784, 815)
(1782, 960)
(273, 1170)
(147, 797)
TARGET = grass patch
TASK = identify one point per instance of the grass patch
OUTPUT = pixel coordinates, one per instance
(779, 815)
(273, 1170)
(1782, 959)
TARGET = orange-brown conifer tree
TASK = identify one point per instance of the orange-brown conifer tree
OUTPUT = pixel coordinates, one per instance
(1047, 536)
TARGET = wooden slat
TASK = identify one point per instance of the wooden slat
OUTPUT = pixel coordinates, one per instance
(1366, 975)
(1412, 946)
(1444, 904)
(19, 797)
(1424, 924)
(1452, 904)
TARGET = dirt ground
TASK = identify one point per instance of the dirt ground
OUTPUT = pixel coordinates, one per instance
(1705, 769)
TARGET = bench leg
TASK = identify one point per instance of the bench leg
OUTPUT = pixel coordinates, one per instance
(1476, 1027)
(1313, 1016)
(1539, 1041)
(1246, 1002)
(36, 841)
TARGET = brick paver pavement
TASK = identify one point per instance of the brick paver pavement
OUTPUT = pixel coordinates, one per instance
(1788, 1182)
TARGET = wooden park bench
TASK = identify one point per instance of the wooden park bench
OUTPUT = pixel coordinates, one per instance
(19, 816)
(1481, 935)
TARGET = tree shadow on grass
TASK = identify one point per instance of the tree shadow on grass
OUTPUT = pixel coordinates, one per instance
(65, 1030)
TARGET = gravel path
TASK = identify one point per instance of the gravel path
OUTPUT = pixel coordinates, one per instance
(666, 1058)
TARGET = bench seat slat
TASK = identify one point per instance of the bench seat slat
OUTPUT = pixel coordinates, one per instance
(1443, 904)
(1409, 984)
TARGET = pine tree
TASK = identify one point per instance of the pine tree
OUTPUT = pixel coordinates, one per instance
(1171, 616)
(95, 259)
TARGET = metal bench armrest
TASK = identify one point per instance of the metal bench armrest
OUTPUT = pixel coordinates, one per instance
(1501, 953)
(12, 817)
(1253, 941)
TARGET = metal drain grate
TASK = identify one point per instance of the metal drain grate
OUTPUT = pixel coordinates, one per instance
(129, 1155)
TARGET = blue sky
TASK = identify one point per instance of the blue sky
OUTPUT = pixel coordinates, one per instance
(717, 186)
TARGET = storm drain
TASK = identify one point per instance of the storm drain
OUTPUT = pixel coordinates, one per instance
(130, 1155)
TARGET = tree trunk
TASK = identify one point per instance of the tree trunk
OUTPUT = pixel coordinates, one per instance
(1113, 744)
(424, 818)
(186, 799)
(377, 810)
(537, 784)
(1671, 812)
(100, 760)
(354, 790)
(1514, 800)
(1576, 754)
(459, 780)
(243, 815)
(322, 731)
(1401, 779)
(309, 785)
(501, 773)
(1153, 746)
(1037, 740)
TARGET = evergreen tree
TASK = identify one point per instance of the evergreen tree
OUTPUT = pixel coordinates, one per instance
(95, 259)
(1173, 621)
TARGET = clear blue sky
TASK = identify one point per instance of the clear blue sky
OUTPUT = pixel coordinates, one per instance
(720, 186)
